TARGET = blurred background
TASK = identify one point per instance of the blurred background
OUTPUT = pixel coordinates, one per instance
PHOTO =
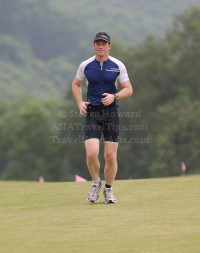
(42, 43)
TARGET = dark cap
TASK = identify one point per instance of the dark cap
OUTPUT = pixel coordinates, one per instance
(102, 36)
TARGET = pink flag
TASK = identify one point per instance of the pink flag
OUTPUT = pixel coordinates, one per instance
(79, 179)
(183, 167)
(41, 180)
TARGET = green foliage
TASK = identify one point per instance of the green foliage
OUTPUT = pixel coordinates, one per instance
(177, 139)
(25, 143)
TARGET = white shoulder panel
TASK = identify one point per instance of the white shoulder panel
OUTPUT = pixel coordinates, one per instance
(123, 76)
(80, 73)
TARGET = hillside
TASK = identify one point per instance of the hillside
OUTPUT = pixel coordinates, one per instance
(42, 42)
(129, 20)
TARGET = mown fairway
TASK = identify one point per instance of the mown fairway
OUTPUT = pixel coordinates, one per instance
(154, 215)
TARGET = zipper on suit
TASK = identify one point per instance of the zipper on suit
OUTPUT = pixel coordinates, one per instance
(101, 80)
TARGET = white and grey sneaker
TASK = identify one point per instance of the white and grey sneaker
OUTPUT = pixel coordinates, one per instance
(93, 195)
(108, 196)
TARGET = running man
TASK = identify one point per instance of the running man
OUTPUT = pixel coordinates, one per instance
(102, 73)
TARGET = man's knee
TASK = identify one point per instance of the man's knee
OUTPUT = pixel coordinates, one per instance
(92, 155)
(110, 157)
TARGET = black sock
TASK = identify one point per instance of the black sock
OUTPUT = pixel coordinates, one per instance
(108, 186)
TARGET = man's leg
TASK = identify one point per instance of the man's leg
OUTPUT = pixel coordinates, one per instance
(92, 152)
(110, 170)
(110, 155)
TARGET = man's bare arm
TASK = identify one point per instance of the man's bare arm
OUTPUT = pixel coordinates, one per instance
(76, 90)
(125, 92)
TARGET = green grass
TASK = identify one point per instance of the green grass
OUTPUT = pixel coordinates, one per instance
(152, 215)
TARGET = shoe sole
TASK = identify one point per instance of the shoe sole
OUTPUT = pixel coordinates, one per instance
(110, 202)
(93, 201)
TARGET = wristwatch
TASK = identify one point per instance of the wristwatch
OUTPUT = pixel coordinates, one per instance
(115, 97)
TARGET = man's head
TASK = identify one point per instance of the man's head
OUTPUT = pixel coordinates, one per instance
(102, 36)
(102, 44)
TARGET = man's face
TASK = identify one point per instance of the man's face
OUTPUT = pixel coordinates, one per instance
(102, 48)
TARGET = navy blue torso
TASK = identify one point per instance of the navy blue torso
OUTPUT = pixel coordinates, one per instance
(101, 80)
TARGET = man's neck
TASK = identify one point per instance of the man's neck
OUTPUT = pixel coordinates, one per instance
(102, 59)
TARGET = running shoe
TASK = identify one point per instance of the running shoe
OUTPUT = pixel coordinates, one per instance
(93, 195)
(108, 196)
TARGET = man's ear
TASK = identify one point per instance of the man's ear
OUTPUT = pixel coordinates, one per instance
(110, 46)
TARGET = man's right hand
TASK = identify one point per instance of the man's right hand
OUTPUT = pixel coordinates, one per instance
(83, 107)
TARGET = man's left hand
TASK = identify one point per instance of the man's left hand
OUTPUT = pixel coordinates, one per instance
(109, 98)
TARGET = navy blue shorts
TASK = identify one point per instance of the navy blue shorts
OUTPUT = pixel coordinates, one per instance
(102, 121)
